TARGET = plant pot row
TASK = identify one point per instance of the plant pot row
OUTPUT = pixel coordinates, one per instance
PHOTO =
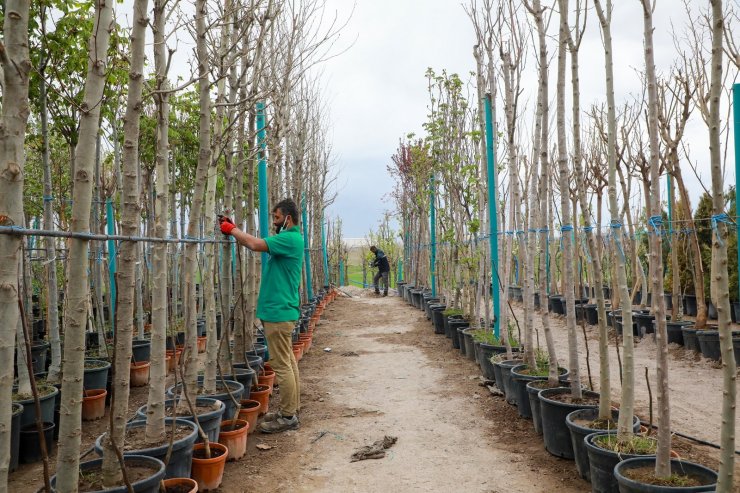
(563, 424)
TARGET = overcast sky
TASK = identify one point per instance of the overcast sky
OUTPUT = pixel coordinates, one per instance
(377, 90)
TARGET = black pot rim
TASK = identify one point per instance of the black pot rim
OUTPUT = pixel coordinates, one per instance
(559, 390)
(156, 477)
(171, 400)
(637, 462)
(521, 376)
(572, 425)
(176, 445)
(588, 440)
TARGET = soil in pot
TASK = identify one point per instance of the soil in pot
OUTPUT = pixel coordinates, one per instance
(144, 473)
(583, 422)
(183, 440)
(602, 458)
(30, 446)
(555, 405)
(234, 436)
(235, 389)
(93, 404)
(208, 472)
(180, 485)
(637, 475)
(210, 412)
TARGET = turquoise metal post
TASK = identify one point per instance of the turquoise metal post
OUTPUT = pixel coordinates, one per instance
(492, 214)
(323, 251)
(433, 235)
(262, 178)
(111, 263)
(406, 246)
(341, 272)
(736, 113)
(669, 195)
(307, 249)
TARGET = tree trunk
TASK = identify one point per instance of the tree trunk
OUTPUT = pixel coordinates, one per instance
(70, 428)
(720, 279)
(130, 226)
(155, 428)
(190, 353)
(565, 211)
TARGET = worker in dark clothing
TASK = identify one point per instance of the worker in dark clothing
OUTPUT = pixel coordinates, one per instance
(384, 269)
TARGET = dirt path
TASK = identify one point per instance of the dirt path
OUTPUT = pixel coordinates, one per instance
(404, 381)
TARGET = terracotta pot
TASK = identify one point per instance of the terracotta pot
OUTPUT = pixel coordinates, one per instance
(299, 347)
(234, 439)
(180, 484)
(267, 367)
(261, 394)
(202, 344)
(93, 404)
(249, 411)
(306, 340)
(139, 373)
(209, 472)
(173, 362)
(266, 377)
(167, 364)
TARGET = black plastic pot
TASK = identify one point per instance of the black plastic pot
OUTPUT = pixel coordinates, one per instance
(505, 382)
(258, 350)
(209, 421)
(555, 433)
(28, 415)
(469, 344)
(245, 376)
(643, 323)
(576, 421)
(736, 348)
(15, 436)
(534, 404)
(182, 450)
(709, 344)
(675, 331)
(454, 325)
(690, 341)
(735, 311)
(447, 319)
(706, 476)
(428, 303)
(39, 353)
(438, 318)
(556, 304)
(461, 340)
(601, 465)
(668, 297)
(141, 350)
(96, 378)
(518, 385)
(30, 446)
(147, 485)
(254, 362)
(400, 285)
(619, 326)
(592, 314)
(237, 390)
(485, 353)
(689, 305)
(711, 310)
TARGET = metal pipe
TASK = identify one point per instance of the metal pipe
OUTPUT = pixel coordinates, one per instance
(492, 214)
(323, 250)
(14, 230)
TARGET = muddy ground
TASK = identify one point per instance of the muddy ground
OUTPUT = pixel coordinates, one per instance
(387, 373)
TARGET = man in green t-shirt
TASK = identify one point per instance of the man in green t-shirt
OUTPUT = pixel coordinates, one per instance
(278, 306)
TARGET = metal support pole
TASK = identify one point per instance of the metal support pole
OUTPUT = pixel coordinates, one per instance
(111, 264)
(323, 251)
(492, 215)
(341, 271)
(433, 233)
(262, 179)
(307, 249)
(736, 113)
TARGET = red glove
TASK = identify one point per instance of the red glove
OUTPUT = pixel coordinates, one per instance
(226, 225)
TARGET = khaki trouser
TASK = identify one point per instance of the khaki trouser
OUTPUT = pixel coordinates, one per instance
(280, 344)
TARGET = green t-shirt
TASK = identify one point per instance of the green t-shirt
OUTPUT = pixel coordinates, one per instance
(279, 300)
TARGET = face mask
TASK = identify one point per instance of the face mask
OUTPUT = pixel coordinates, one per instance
(281, 227)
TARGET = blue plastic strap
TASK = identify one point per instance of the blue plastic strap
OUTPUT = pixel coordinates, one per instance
(48, 198)
(716, 219)
(656, 222)
(565, 228)
(615, 225)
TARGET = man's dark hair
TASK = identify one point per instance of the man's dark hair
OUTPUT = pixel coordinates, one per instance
(288, 208)
(373, 248)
